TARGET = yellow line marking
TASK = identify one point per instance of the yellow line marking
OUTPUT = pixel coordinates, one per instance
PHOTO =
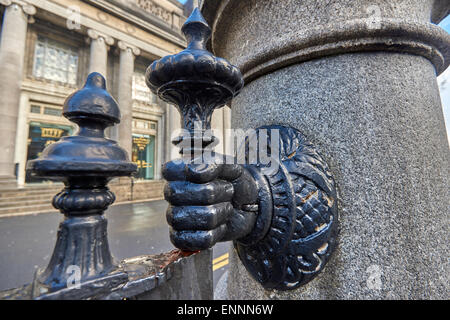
(220, 265)
(222, 257)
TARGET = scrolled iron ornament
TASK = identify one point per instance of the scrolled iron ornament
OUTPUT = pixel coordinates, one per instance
(302, 231)
(283, 222)
(194, 80)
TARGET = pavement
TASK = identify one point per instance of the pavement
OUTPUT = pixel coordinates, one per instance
(27, 241)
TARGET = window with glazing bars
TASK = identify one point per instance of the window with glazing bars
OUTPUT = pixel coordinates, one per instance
(140, 90)
(55, 61)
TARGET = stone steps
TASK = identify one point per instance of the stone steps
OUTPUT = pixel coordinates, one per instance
(27, 209)
(25, 202)
(31, 199)
(25, 192)
(42, 196)
(38, 198)
(7, 182)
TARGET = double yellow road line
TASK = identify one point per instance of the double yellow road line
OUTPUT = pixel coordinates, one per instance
(220, 261)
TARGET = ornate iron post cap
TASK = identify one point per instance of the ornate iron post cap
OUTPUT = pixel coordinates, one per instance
(194, 79)
(88, 153)
(85, 162)
(93, 102)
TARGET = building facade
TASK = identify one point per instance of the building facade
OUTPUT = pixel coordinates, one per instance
(49, 47)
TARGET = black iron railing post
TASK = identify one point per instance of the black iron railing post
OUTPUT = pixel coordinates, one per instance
(85, 162)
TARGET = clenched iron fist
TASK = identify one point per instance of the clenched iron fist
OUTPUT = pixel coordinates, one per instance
(208, 203)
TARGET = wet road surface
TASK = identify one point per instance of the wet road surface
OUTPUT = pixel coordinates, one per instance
(26, 242)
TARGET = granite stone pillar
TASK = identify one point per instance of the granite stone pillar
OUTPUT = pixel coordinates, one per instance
(98, 62)
(172, 130)
(98, 59)
(12, 51)
(227, 143)
(218, 129)
(126, 69)
(358, 78)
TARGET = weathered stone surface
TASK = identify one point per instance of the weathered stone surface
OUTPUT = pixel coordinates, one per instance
(12, 51)
(295, 33)
(127, 189)
(375, 115)
(191, 279)
(220, 292)
(385, 142)
(171, 275)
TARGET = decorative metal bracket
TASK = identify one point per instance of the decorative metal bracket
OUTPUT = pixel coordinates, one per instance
(283, 222)
(298, 215)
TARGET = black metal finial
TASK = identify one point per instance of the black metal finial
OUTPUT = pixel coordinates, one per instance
(93, 109)
(92, 101)
(194, 80)
(196, 30)
(85, 163)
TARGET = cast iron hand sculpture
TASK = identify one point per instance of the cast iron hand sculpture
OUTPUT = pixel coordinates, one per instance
(210, 203)
(283, 222)
(204, 209)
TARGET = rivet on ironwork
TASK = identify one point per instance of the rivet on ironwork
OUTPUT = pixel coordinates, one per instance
(85, 162)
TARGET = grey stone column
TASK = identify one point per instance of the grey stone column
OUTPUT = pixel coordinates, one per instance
(172, 130)
(218, 129)
(126, 69)
(12, 51)
(227, 143)
(358, 78)
(98, 59)
(98, 62)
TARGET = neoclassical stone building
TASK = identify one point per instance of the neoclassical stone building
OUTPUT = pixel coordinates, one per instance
(47, 49)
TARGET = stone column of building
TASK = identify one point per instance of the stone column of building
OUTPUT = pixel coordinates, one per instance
(98, 59)
(172, 130)
(227, 143)
(98, 62)
(12, 51)
(358, 79)
(217, 128)
(123, 132)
